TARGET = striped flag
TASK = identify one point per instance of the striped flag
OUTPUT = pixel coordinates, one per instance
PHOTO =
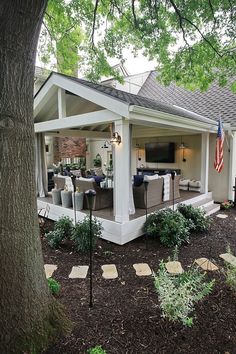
(218, 163)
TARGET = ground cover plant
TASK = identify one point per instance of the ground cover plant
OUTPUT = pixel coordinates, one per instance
(54, 286)
(126, 316)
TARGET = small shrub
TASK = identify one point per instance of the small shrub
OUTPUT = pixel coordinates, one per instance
(81, 233)
(169, 225)
(54, 286)
(64, 224)
(97, 350)
(230, 274)
(198, 221)
(179, 293)
(62, 231)
(227, 204)
(54, 238)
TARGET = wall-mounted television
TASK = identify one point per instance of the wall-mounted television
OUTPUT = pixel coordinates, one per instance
(160, 152)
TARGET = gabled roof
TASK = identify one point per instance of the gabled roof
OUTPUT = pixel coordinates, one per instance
(215, 102)
(135, 100)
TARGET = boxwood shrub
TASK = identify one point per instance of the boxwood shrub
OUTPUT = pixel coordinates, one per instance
(197, 219)
(169, 225)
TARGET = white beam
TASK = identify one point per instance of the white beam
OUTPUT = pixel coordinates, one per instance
(100, 98)
(61, 95)
(121, 164)
(204, 162)
(151, 117)
(81, 133)
(86, 119)
(232, 166)
(40, 101)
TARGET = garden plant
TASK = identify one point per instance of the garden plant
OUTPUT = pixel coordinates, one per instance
(54, 286)
(197, 219)
(81, 233)
(179, 293)
(169, 225)
(62, 231)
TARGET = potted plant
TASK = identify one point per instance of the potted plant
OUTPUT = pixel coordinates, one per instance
(97, 162)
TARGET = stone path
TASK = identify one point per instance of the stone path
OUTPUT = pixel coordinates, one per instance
(221, 216)
(174, 267)
(49, 269)
(229, 258)
(109, 271)
(79, 272)
(205, 264)
(142, 269)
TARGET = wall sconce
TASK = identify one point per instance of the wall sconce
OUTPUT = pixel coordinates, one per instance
(105, 145)
(116, 138)
(182, 146)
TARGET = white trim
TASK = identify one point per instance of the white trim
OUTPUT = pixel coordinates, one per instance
(142, 115)
(76, 121)
(81, 133)
(232, 166)
(204, 162)
(61, 96)
(93, 95)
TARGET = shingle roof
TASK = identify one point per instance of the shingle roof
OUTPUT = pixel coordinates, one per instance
(216, 102)
(139, 100)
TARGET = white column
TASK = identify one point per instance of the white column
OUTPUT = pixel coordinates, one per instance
(232, 165)
(61, 94)
(204, 162)
(121, 168)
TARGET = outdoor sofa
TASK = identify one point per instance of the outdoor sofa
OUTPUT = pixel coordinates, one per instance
(155, 191)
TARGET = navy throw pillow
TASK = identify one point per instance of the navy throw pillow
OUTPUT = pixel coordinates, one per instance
(98, 179)
(138, 180)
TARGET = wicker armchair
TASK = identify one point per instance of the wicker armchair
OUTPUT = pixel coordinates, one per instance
(103, 198)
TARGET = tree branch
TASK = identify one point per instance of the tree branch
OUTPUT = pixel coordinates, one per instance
(94, 22)
(177, 11)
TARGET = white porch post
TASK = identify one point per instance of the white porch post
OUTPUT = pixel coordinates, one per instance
(121, 162)
(232, 166)
(204, 162)
(61, 94)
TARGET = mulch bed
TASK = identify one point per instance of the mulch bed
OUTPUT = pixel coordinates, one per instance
(126, 317)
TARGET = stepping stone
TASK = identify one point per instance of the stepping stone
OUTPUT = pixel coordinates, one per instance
(49, 269)
(142, 269)
(229, 258)
(78, 272)
(109, 271)
(222, 216)
(205, 264)
(174, 267)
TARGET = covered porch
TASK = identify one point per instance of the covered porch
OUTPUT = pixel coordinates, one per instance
(72, 107)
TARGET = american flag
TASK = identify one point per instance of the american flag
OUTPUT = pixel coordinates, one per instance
(218, 163)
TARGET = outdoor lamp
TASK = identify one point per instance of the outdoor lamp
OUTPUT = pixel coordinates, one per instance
(105, 145)
(90, 194)
(182, 146)
(116, 138)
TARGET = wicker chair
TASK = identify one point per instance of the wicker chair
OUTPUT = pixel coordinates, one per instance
(154, 194)
(103, 198)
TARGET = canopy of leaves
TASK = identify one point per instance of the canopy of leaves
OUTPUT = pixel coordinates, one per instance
(193, 42)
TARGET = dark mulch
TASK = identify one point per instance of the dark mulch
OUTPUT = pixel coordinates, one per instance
(126, 317)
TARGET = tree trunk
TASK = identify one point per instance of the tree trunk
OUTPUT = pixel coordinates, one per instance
(28, 313)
